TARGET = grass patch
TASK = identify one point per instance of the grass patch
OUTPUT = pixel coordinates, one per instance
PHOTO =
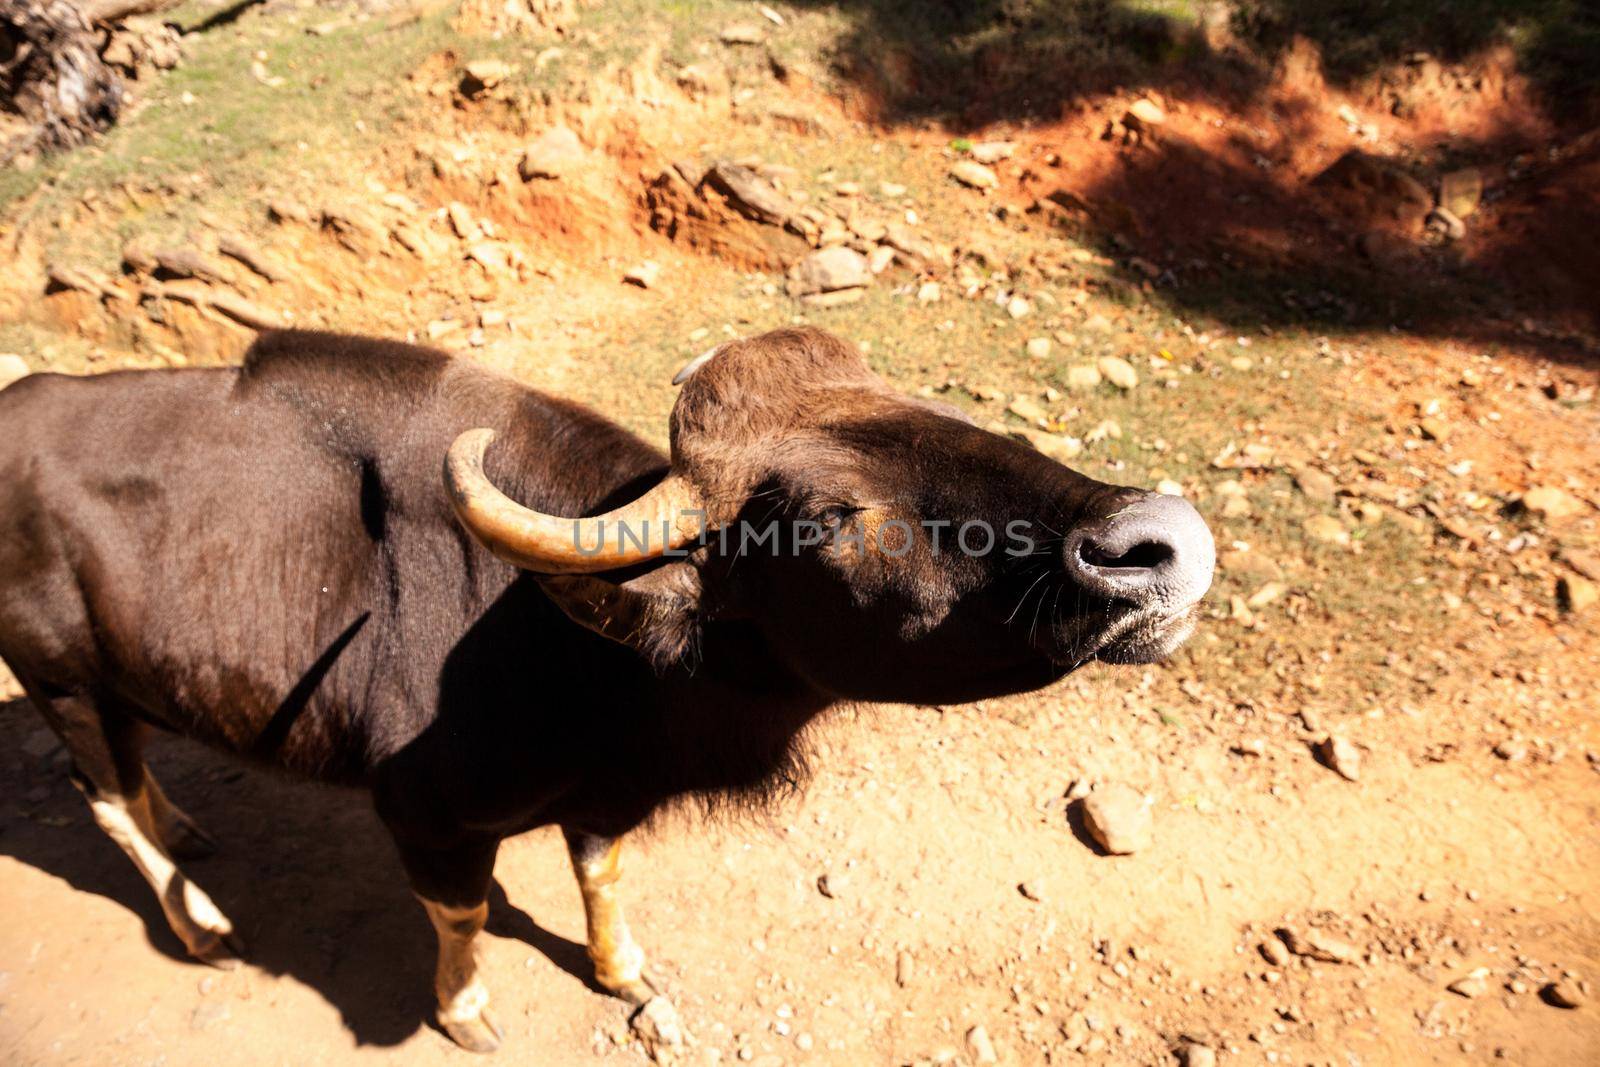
(209, 129)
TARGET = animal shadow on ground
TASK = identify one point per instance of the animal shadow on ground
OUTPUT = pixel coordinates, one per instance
(306, 873)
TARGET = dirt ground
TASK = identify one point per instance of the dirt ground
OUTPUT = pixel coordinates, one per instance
(1391, 428)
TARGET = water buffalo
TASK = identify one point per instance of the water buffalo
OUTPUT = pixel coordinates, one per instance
(270, 559)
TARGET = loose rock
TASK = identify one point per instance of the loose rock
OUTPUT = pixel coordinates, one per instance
(644, 275)
(974, 175)
(1564, 994)
(1512, 750)
(1144, 114)
(1119, 372)
(555, 153)
(1473, 985)
(1551, 502)
(1198, 1056)
(484, 74)
(992, 151)
(1315, 484)
(1340, 756)
(831, 269)
(1118, 818)
(1317, 945)
(1082, 377)
(980, 1046)
(1576, 594)
(1327, 529)
(750, 194)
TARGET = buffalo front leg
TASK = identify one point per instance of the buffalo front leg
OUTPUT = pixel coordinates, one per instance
(619, 963)
(454, 889)
(108, 767)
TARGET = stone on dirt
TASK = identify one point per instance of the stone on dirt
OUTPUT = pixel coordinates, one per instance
(1318, 945)
(1551, 502)
(831, 269)
(283, 209)
(1512, 750)
(1315, 484)
(980, 1046)
(555, 153)
(644, 275)
(657, 1026)
(1565, 993)
(1198, 1056)
(1473, 985)
(1143, 114)
(485, 74)
(1274, 952)
(1119, 372)
(1341, 756)
(1118, 818)
(1327, 529)
(992, 151)
(1573, 593)
(974, 175)
(1038, 348)
(189, 263)
(1081, 377)
(750, 194)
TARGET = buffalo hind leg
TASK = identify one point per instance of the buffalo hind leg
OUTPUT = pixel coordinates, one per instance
(107, 766)
(453, 886)
(181, 835)
(619, 963)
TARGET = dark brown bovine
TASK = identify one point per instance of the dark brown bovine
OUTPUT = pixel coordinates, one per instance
(302, 561)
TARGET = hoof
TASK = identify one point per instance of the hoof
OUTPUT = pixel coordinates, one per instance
(477, 1034)
(658, 1028)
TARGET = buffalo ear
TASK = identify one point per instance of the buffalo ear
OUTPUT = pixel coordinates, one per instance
(656, 614)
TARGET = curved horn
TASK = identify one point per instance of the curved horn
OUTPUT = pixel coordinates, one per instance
(667, 516)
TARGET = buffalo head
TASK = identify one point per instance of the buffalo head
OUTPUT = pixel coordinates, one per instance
(884, 547)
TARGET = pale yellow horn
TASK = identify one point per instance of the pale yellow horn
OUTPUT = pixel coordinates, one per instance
(668, 516)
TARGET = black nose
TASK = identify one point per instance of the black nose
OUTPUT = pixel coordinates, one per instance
(1155, 551)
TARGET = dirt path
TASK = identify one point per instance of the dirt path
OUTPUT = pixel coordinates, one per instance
(925, 823)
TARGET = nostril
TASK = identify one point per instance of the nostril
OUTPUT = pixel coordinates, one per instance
(1145, 555)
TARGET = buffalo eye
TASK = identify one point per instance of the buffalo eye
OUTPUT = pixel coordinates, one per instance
(835, 516)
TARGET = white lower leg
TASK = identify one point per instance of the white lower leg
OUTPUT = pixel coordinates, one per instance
(197, 921)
